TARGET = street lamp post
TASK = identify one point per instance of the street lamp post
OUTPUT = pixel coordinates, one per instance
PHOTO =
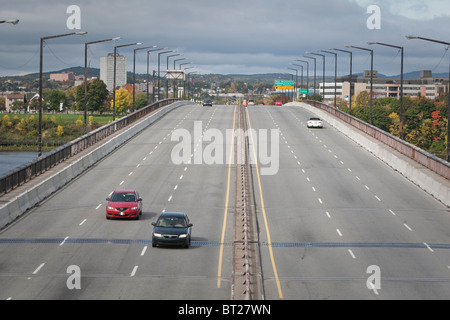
(159, 68)
(148, 74)
(134, 73)
(307, 74)
(299, 65)
(85, 73)
(323, 76)
(41, 80)
(167, 68)
(401, 82)
(315, 71)
(409, 37)
(335, 75)
(296, 80)
(351, 77)
(115, 62)
(371, 77)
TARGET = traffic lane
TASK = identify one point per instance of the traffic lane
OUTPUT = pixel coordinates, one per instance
(53, 220)
(336, 232)
(111, 232)
(385, 233)
(155, 273)
(413, 208)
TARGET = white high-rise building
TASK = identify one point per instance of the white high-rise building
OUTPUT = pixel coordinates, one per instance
(107, 71)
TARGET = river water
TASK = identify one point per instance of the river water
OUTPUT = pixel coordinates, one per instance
(14, 160)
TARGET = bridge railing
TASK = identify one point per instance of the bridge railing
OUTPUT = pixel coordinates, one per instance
(42, 164)
(426, 159)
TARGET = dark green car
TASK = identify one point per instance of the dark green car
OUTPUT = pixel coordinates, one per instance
(172, 229)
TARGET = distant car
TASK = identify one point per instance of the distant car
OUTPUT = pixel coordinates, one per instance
(172, 229)
(124, 204)
(207, 102)
(278, 103)
(315, 123)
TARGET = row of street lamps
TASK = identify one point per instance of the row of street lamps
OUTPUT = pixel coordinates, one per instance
(43, 39)
(409, 37)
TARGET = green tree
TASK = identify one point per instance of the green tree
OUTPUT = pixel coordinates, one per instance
(97, 93)
(141, 100)
(54, 98)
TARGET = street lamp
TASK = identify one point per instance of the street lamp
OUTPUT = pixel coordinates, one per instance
(41, 81)
(148, 74)
(296, 80)
(307, 75)
(12, 21)
(323, 76)
(351, 77)
(85, 73)
(315, 71)
(301, 66)
(371, 77)
(401, 82)
(159, 69)
(167, 69)
(134, 72)
(115, 63)
(409, 37)
(335, 75)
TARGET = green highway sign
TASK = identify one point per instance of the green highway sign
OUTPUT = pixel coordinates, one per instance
(303, 91)
(284, 85)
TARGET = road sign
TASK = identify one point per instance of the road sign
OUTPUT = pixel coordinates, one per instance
(303, 91)
(284, 85)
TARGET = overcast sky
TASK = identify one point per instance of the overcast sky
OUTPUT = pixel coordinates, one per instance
(227, 36)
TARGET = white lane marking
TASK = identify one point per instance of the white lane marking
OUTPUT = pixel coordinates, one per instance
(134, 271)
(339, 232)
(143, 251)
(429, 248)
(98, 207)
(38, 269)
(407, 227)
(351, 253)
(64, 241)
(82, 222)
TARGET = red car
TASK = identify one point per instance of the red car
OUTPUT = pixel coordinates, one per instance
(124, 204)
(278, 103)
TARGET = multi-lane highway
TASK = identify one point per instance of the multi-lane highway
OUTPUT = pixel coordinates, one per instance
(329, 212)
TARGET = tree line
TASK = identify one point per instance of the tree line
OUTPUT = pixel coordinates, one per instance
(425, 121)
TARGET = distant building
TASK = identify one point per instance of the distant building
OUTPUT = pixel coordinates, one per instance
(10, 99)
(107, 71)
(426, 86)
(62, 77)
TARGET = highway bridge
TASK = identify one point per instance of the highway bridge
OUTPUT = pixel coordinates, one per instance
(331, 221)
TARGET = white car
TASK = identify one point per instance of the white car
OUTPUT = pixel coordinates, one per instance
(315, 123)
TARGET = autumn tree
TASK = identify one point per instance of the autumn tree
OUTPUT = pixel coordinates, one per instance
(123, 101)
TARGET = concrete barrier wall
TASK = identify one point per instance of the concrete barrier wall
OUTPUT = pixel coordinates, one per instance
(37, 193)
(429, 181)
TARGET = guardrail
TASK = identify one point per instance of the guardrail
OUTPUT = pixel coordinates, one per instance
(42, 164)
(426, 159)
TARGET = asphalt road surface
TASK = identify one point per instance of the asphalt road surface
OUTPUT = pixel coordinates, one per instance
(334, 222)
